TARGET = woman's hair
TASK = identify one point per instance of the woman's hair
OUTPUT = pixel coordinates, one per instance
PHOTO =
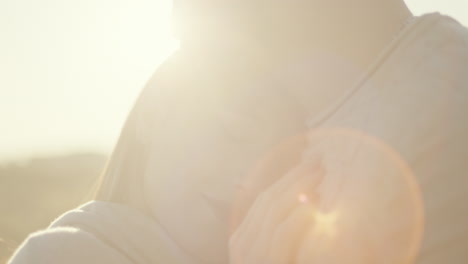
(123, 176)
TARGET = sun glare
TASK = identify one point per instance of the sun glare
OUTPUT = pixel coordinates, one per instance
(325, 223)
(302, 198)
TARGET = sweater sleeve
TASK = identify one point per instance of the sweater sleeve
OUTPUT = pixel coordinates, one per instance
(65, 245)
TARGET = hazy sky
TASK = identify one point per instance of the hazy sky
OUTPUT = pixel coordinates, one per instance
(70, 70)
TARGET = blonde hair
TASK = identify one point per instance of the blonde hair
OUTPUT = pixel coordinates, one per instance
(122, 178)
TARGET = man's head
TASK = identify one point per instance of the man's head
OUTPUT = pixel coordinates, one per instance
(356, 29)
(193, 18)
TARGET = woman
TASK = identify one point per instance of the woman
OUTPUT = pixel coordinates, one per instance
(251, 134)
(205, 118)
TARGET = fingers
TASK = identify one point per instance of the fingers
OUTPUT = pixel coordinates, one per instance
(294, 175)
(273, 226)
(289, 235)
(274, 204)
(311, 244)
(302, 190)
(273, 208)
(245, 242)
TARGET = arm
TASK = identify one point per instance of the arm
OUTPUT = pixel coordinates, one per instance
(65, 245)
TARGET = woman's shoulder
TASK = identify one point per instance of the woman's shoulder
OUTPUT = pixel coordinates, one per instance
(65, 245)
(101, 232)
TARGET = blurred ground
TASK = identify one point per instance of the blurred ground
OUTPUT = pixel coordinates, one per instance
(34, 193)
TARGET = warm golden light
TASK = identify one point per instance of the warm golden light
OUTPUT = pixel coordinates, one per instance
(326, 223)
(302, 198)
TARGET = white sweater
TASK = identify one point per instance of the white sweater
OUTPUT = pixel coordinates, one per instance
(101, 232)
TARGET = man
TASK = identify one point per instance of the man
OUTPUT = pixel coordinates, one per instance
(392, 145)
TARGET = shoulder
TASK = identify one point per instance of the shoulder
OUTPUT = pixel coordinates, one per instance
(437, 74)
(448, 57)
(65, 245)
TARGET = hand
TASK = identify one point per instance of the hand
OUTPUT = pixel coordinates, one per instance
(273, 228)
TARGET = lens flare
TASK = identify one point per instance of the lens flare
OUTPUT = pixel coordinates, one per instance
(368, 207)
(326, 223)
(302, 198)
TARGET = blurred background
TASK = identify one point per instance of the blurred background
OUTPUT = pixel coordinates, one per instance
(69, 73)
